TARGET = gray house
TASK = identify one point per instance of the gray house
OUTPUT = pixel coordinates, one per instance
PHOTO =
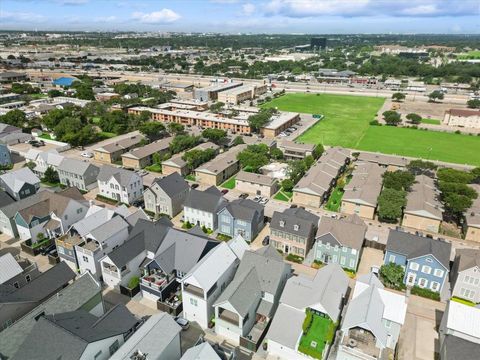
(78, 173)
(16, 271)
(167, 195)
(340, 241)
(202, 207)
(20, 183)
(465, 275)
(241, 217)
(5, 157)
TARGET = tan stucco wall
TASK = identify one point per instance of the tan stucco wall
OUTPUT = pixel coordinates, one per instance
(103, 157)
(167, 170)
(206, 178)
(306, 199)
(366, 212)
(421, 223)
(473, 234)
(250, 188)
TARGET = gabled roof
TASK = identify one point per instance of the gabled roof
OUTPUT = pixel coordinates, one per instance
(222, 161)
(293, 218)
(9, 268)
(5, 199)
(424, 199)
(365, 185)
(172, 184)
(458, 348)
(413, 246)
(149, 149)
(122, 144)
(349, 232)
(17, 178)
(76, 166)
(467, 258)
(244, 209)
(122, 176)
(286, 326)
(109, 228)
(210, 200)
(204, 351)
(51, 158)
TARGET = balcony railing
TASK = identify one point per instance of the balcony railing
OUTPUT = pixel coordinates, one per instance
(111, 273)
(196, 291)
(229, 317)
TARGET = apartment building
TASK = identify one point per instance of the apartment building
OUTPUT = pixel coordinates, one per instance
(468, 118)
(278, 123)
(241, 93)
(113, 151)
(295, 151)
(211, 92)
(257, 184)
(142, 156)
(178, 165)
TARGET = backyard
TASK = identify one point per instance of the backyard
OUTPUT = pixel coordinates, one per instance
(283, 195)
(319, 333)
(229, 184)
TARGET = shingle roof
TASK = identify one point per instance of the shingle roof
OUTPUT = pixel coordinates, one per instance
(290, 218)
(11, 209)
(424, 199)
(9, 267)
(172, 184)
(5, 199)
(222, 161)
(467, 258)
(349, 232)
(121, 175)
(109, 228)
(365, 185)
(121, 144)
(244, 209)
(17, 178)
(204, 351)
(383, 159)
(458, 348)
(413, 246)
(76, 166)
(209, 200)
(255, 178)
(149, 149)
(286, 326)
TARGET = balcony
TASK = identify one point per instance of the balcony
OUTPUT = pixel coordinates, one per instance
(156, 281)
(362, 343)
(193, 290)
(228, 316)
(254, 338)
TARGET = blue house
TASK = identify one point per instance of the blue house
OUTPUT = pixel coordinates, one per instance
(64, 81)
(426, 261)
(242, 217)
(5, 157)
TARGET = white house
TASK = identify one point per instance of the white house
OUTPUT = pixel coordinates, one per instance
(201, 207)
(119, 184)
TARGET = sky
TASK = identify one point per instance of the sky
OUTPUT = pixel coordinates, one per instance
(245, 16)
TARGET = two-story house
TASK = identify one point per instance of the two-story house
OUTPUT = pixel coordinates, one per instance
(340, 241)
(465, 275)
(119, 184)
(244, 309)
(78, 173)
(20, 183)
(241, 217)
(372, 323)
(426, 261)
(293, 231)
(202, 207)
(166, 195)
(208, 278)
(5, 156)
(44, 160)
(16, 271)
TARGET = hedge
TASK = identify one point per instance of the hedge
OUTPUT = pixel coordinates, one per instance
(426, 293)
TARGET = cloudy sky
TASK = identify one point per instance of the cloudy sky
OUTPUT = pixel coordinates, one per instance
(255, 16)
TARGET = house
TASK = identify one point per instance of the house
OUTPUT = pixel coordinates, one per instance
(203, 351)
(294, 151)
(472, 218)
(16, 271)
(244, 310)
(119, 184)
(372, 322)
(81, 174)
(177, 164)
(221, 168)
(208, 278)
(166, 195)
(361, 193)
(112, 152)
(468, 118)
(314, 188)
(388, 162)
(459, 332)
(5, 157)
(242, 217)
(15, 302)
(293, 231)
(426, 261)
(88, 336)
(323, 296)
(465, 275)
(202, 207)
(20, 183)
(44, 160)
(424, 210)
(157, 339)
(340, 241)
(51, 216)
(257, 184)
(84, 293)
(140, 157)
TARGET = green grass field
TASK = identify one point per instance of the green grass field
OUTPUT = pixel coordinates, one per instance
(431, 121)
(335, 200)
(321, 332)
(473, 54)
(342, 112)
(229, 184)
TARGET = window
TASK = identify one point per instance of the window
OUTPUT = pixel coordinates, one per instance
(335, 258)
(295, 227)
(85, 258)
(467, 294)
(414, 266)
(327, 246)
(434, 286)
(16, 284)
(193, 302)
(354, 252)
(342, 260)
(438, 273)
(344, 249)
(114, 347)
(391, 258)
(426, 269)
(466, 280)
(352, 263)
(422, 282)
(97, 355)
(28, 278)
(282, 223)
(79, 211)
(429, 260)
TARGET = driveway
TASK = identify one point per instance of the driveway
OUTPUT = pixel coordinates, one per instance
(189, 337)
(370, 257)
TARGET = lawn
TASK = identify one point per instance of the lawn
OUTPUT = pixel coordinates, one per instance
(346, 118)
(473, 54)
(431, 121)
(283, 195)
(45, 136)
(321, 332)
(106, 135)
(335, 200)
(229, 184)
(154, 168)
(95, 119)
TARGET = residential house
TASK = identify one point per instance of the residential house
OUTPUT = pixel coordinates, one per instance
(5, 156)
(424, 210)
(157, 339)
(242, 217)
(465, 275)
(44, 160)
(208, 278)
(221, 168)
(314, 188)
(166, 195)
(426, 261)
(84, 293)
(294, 151)
(16, 271)
(244, 310)
(257, 184)
(202, 207)
(11, 134)
(459, 332)
(323, 295)
(203, 351)
(140, 157)
(112, 152)
(88, 336)
(78, 173)
(20, 183)
(472, 218)
(119, 184)
(340, 241)
(52, 215)
(293, 231)
(15, 302)
(361, 193)
(177, 164)
(388, 162)
(372, 322)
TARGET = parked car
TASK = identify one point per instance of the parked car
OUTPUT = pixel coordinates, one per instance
(44, 251)
(293, 206)
(194, 186)
(138, 203)
(266, 240)
(224, 191)
(184, 323)
(87, 154)
(243, 196)
(263, 201)
(257, 198)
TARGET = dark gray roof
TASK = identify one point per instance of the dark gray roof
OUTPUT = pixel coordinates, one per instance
(307, 222)
(456, 348)
(121, 175)
(76, 166)
(5, 199)
(172, 184)
(413, 246)
(210, 200)
(11, 209)
(244, 209)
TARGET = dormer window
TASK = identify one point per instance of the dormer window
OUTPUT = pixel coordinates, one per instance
(282, 223)
(296, 227)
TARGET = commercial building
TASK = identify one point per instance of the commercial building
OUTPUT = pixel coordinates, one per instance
(211, 92)
(469, 118)
(242, 93)
(10, 76)
(113, 151)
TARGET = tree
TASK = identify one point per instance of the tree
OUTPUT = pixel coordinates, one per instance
(238, 141)
(318, 151)
(392, 117)
(309, 161)
(51, 176)
(217, 107)
(390, 205)
(473, 103)
(183, 142)
(414, 118)
(54, 93)
(476, 175)
(435, 95)
(398, 96)
(454, 176)
(296, 169)
(276, 154)
(254, 156)
(152, 129)
(398, 180)
(194, 158)
(392, 276)
(216, 136)
(175, 128)
(287, 185)
(457, 204)
(418, 167)
(24, 88)
(83, 90)
(259, 120)
(14, 117)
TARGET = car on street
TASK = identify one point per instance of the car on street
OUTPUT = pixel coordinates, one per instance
(257, 198)
(263, 201)
(44, 251)
(266, 240)
(184, 323)
(194, 186)
(243, 196)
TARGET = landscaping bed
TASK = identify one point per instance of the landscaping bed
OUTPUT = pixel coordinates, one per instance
(154, 168)
(229, 184)
(426, 293)
(318, 332)
(294, 258)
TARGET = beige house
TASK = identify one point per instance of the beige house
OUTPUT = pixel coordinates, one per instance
(143, 156)
(362, 191)
(221, 168)
(178, 165)
(472, 218)
(257, 184)
(424, 210)
(469, 118)
(295, 151)
(113, 151)
(390, 162)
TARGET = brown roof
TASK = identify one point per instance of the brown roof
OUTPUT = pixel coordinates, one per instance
(255, 178)
(150, 149)
(349, 231)
(121, 144)
(365, 185)
(464, 112)
(467, 258)
(423, 199)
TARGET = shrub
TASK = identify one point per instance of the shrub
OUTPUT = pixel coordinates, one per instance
(392, 276)
(187, 225)
(294, 258)
(374, 123)
(307, 322)
(133, 283)
(426, 293)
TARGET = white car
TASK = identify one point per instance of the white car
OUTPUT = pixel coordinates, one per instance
(257, 198)
(263, 201)
(87, 154)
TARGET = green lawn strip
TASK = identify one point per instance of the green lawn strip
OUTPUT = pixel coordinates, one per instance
(45, 136)
(463, 301)
(321, 331)
(154, 168)
(229, 184)
(431, 121)
(106, 135)
(190, 177)
(335, 200)
(281, 197)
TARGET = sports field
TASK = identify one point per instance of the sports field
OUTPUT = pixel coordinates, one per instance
(346, 124)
